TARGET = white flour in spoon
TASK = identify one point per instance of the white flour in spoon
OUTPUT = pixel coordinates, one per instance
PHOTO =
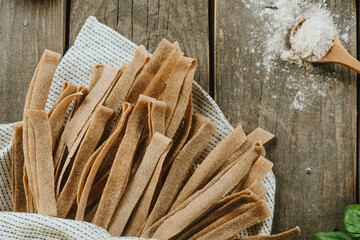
(314, 38)
(311, 42)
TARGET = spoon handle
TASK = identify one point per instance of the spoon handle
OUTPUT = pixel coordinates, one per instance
(338, 54)
(350, 62)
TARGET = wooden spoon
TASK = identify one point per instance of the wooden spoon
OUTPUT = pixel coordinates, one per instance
(337, 53)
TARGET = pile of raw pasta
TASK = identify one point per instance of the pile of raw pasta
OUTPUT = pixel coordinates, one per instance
(124, 159)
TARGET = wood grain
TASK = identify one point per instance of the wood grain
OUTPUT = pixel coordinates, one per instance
(312, 114)
(27, 27)
(147, 22)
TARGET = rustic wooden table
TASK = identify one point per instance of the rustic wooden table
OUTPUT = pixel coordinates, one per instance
(314, 115)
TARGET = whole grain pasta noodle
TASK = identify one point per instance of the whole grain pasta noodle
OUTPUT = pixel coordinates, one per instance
(121, 89)
(220, 209)
(96, 73)
(157, 111)
(151, 68)
(253, 154)
(183, 107)
(141, 211)
(179, 143)
(156, 123)
(233, 223)
(181, 167)
(76, 126)
(93, 164)
(221, 215)
(257, 173)
(78, 100)
(39, 121)
(288, 235)
(88, 143)
(211, 163)
(42, 78)
(105, 166)
(58, 116)
(114, 120)
(182, 102)
(258, 135)
(17, 165)
(157, 149)
(32, 159)
(258, 188)
(193, 208)
(157, 83)
(112, 143)
(87, 147)
(67, 89)
(60, 146)
(120, 170)
(171, 93)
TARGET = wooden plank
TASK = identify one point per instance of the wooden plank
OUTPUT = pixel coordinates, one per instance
(147, 22)
(26, 29)
(313, 115)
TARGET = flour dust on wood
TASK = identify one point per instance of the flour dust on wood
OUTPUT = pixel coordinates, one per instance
(270, 46)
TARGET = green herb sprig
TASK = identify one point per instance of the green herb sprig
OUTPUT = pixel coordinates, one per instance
(351, 223)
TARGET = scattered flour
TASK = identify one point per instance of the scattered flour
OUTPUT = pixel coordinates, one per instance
(299, 102)
(271, 22)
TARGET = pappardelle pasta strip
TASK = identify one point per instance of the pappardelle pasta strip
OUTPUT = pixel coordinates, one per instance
(211, 163)
(288, 235)
(39, 122)
(121, 89)
(42, 78)
(203, 199)
(91, 167)
(235, 222)
(67, 89)
(150, 70)
(17, 164)
(120, 170)
(96, 73)
(86, 149)
(158, 148)
(225, 213)
(181, 168)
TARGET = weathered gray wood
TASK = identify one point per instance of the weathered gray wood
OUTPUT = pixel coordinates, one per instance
(313, 115)
(26, 29)
(147, 22)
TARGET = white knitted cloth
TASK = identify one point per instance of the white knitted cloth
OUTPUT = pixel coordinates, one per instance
(97, 43)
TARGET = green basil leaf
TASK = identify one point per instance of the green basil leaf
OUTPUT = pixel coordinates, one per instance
(331, 236)
(352, 220)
